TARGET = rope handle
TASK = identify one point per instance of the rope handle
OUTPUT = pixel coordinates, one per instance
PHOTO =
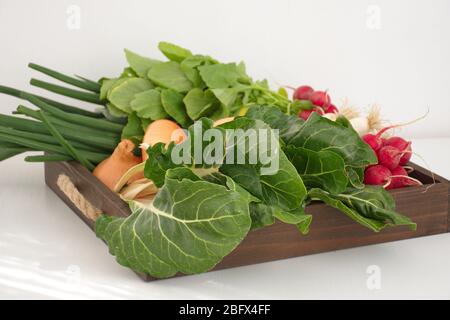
(70, 190)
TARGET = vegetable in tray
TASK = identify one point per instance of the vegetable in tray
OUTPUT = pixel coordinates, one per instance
(186, 217)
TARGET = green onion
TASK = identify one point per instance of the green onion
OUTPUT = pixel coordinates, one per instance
(32, 144)
(76, 94)
(42, 138)
(64, 107)
(75, 118)
(105, 143)
(89, 81)
(59, 122)
(91, 86)
(65, 144)
(9, 152)
(6, 145)
(22, 124)
(48, 158)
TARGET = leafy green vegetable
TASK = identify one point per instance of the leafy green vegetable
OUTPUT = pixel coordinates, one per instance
(190, 68)
(220, 75)
(148, 105)
(207, 87)
(261, 215)
(122, 93)
(145, 123)
(320, 134)
(283, 190)
(174, 52)
(188, 227)
(158, 163)
(173, 104)
(114, 112)
(199, 103)
(227, 96)
(322, 169)
(133, 129)
(106, 85)
(372, 207)
(140, 64)
(128, 72)
(169, 75)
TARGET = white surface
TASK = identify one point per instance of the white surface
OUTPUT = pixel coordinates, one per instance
(48, 252)
(395, 53)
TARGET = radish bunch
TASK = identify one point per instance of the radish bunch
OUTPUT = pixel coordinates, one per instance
(393, 155)
(314, 101)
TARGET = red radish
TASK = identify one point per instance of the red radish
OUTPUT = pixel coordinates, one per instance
(304, 114)
(377, 175)
(377, 140)
(398, 174)
(303, 93)
(402, 145)
(389, 156)
(320, 98)
(389, 179)
(373, 141)
(400, 178)
(332, 109)
(406, 156)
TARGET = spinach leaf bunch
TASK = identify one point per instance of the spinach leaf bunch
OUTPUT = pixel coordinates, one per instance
(184, 88)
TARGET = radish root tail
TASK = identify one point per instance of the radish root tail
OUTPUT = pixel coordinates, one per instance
(429, 170)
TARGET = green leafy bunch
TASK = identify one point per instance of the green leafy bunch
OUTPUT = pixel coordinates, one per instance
(202, 212)
(185, 88)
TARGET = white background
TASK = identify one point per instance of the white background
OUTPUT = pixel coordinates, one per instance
(394, 53)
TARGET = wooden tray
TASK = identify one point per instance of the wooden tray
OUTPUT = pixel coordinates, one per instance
(330, 229)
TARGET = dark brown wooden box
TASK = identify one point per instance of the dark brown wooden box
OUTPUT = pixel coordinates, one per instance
(330, 229)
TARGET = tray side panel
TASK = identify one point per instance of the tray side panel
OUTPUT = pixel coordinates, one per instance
(332, 230)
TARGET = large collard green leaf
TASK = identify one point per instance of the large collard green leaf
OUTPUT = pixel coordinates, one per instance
(282, 193)
(169, 75)
(215, 176)
(172, 102)
(148, 105)
(320, 169)
(158, 162)
(283, 190)
(320, 134)
(287, 125)
(261, 214)
(174, 52)
(376, 203)
(122, 92)
(189, 227)
(161, 158)
(372, 207)
(141, 65)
